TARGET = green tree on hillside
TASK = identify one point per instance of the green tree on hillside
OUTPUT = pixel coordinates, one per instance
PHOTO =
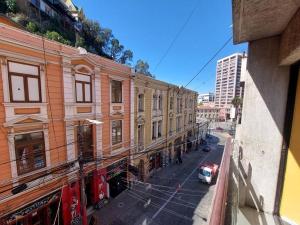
(143, 67)
(126, 57)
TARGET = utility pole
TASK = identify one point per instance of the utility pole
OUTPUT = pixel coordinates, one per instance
(81, 175)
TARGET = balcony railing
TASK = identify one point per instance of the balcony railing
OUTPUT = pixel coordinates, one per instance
(217, 213)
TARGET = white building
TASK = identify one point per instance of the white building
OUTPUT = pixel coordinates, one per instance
(228, 75)
(207, 98)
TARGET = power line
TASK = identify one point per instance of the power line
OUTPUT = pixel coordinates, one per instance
(209, 61)
(177, 35)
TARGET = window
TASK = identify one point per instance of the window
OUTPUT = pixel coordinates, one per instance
(116, 132)
(88, 147)
(154, 125)
(191, 103)
(116, 91)
(179, 105)
(140, 137)
(190, 118)
(154, 103)
(83, 88)
(30, 152)
(24, 82)
(186, 102)
(170, 126)
(185, 120)
(171, 103)
(160, 102)
(159, 128)
(141, 103)
(178, 124)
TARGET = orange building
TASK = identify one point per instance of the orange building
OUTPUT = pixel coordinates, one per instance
(52, 99)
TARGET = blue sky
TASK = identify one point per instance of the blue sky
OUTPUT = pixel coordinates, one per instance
(147, 27)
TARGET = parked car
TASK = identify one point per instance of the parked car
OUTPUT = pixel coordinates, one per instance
(219, 129)
(206, 148)
(207, 172)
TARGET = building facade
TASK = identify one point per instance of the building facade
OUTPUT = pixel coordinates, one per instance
(150, 124)
(182, 128)
(265, 165)
(228, 74)
(207, 98)
(207, 112)
(165, 124)
(61, 107)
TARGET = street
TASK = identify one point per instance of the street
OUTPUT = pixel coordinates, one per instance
(173, 195)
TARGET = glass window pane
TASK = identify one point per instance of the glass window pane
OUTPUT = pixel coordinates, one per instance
(116, 132)
(33, 89)
(39, 154)
(23, 160)
(79, 94)
(30, 152)
(87, 93)
(116, 91)
(23, 68)
(17, 86)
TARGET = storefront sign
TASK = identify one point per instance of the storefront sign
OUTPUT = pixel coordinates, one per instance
(71, 204)
(116, 168)
(33, 207)
(99, 186)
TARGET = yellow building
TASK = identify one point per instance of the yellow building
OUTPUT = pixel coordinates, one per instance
(164, 113)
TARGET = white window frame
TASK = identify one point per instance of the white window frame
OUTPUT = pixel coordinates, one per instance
(122, 123)
(12, 153)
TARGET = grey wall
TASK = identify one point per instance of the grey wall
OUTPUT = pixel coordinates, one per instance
(260, 133)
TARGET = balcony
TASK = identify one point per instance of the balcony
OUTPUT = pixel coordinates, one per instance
(219, 202)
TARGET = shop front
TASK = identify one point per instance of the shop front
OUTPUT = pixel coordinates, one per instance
(158, 160)
(151, 162)
(99, 192)
(190, 140)
(71, 204)
(117, 177)
(41, 212)
(177, 150)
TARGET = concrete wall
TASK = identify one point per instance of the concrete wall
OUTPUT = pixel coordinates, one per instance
(260, 136)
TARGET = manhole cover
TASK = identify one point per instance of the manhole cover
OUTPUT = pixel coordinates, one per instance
(121, 204)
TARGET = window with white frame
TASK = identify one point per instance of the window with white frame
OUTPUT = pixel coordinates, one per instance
(178, 123)
(30, 152)
(140, 136)
(170, 126)
(24, 82)
(116, 132)
(160, 102)
(154, 102)
(179, 105)
(83, 88)
(116, 91)
(171, 102)
(141, 102)
(154, 128)
(159, 129)
(88, 147)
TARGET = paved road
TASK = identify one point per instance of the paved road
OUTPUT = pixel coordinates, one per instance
(172, 196)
